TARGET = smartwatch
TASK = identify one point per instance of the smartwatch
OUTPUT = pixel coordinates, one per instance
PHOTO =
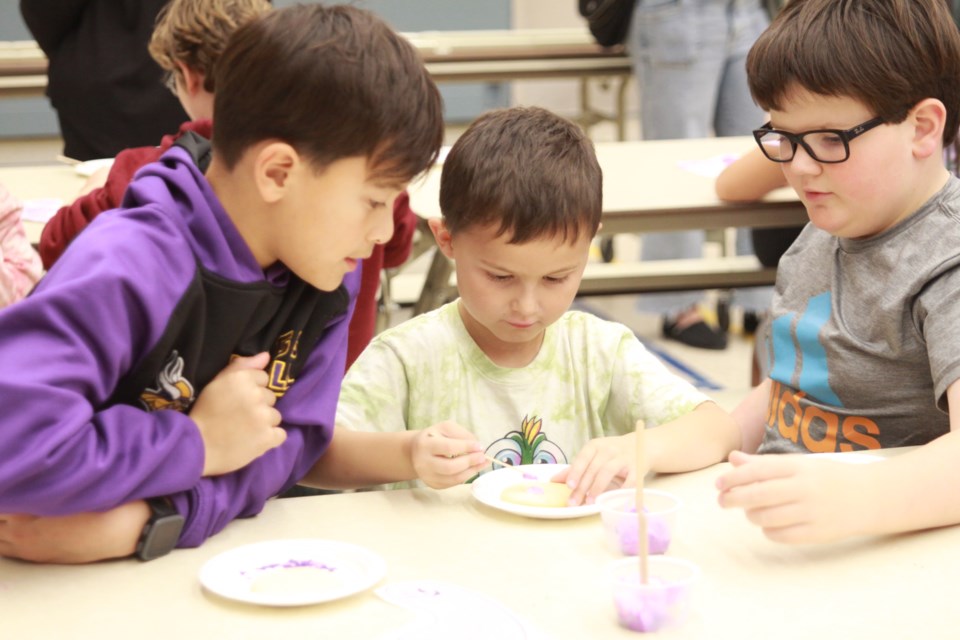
(162, 531)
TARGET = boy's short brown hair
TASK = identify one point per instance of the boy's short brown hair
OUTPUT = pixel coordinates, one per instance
(527, 170)
(333, 82)
(195, 32)
(888, 54)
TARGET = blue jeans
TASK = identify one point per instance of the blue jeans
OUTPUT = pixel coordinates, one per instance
(689, 60)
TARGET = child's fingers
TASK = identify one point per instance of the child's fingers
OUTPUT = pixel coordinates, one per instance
(561, 476)
(258, 361)
(450, 440)
(764, 494)
(445, 472)
(779, 516)
(278, 435)
(601, 482)
(579, 476)
(454, 431)
(748, 469)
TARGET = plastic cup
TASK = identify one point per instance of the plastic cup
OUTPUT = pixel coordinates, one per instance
(618, 513)
(663, 601)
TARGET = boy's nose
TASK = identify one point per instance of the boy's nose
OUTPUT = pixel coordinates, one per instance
(526, 302)
(382, 229)
(803, 163)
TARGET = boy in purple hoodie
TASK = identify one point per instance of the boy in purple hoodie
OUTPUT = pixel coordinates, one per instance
(180, 365)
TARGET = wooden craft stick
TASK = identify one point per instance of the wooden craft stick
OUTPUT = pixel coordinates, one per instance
(643, 550)
(495, 461)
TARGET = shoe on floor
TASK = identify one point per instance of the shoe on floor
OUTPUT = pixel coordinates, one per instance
(751, 320)
(699, 334)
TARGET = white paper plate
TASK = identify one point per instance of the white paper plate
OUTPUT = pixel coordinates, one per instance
(488, 487)
(88, 168)
(287, 573)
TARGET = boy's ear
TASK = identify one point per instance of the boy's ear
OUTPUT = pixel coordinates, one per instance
(192, 79)
(274, 166)
(442, 235)
(929, 117)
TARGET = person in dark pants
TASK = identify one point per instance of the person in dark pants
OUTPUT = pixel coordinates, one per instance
(107, 90)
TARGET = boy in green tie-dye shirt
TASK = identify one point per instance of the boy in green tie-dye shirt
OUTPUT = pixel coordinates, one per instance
(507, 370)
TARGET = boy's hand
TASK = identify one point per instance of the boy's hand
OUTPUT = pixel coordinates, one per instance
(75, 539)
(446, 454)
(236, 416)
(795, 498)
(601, 463)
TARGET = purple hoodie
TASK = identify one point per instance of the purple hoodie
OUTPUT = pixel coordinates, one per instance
(99, 365)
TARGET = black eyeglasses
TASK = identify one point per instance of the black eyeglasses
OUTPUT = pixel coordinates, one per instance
(823, 145)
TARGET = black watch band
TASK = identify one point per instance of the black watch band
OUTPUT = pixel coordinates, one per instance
(162, 531)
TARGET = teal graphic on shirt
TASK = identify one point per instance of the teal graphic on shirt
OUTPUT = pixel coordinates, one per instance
(791, 342)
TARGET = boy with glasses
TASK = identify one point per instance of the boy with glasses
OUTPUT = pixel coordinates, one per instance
(865, 341)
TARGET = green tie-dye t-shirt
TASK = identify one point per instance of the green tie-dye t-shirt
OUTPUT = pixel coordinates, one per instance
(592, 378)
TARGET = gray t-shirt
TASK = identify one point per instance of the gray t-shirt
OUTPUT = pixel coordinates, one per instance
(865, 337)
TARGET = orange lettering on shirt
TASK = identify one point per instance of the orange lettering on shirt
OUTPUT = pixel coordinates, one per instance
(773, 403)
(858, 430)
(284, 344)
(828, 443)
(791, 429)
(280, 379)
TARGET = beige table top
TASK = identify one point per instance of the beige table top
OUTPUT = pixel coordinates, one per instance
(645, 188)
(58, 181)
(551, 572)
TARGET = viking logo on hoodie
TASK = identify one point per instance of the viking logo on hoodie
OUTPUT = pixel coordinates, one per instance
(170, 390)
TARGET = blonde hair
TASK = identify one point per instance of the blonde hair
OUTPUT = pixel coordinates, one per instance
(195, 32)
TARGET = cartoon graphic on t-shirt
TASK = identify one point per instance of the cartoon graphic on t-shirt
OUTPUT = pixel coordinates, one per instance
(527, 446)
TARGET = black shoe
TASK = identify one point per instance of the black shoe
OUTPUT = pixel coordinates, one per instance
(699, 335)
(751, 320)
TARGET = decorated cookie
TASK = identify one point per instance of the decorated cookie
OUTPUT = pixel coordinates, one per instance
(537, 494)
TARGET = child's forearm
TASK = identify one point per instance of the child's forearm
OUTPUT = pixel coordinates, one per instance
(750, 417)
(914, 490)
(703, 437)
(357, 459)
(750, 177)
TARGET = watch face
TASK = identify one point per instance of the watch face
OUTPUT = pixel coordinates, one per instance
(161, 537)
